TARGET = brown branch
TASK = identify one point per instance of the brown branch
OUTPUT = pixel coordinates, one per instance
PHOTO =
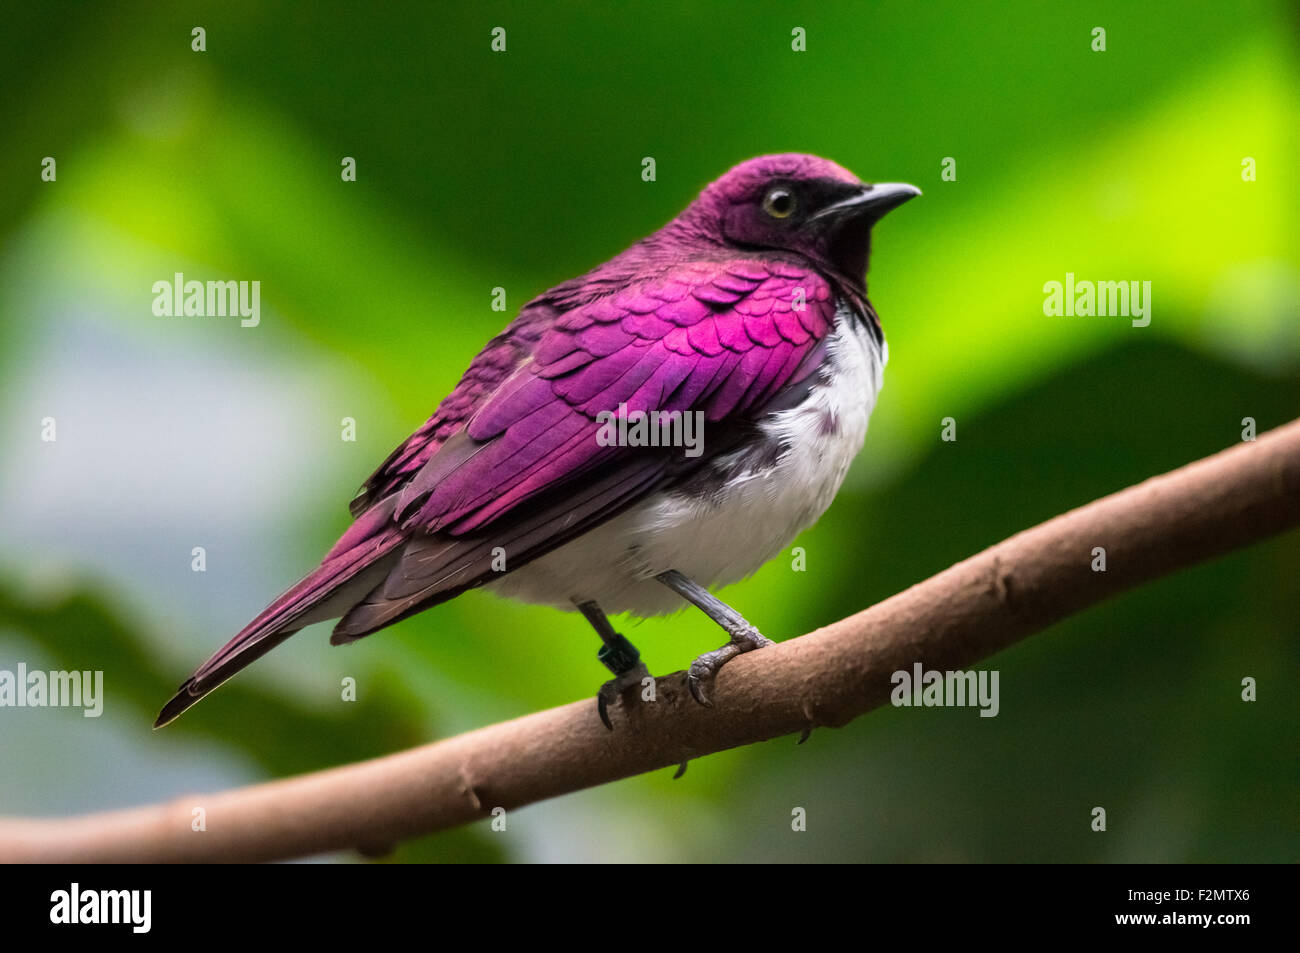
(826, 678)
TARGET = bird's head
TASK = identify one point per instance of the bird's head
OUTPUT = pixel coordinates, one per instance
(797, 203)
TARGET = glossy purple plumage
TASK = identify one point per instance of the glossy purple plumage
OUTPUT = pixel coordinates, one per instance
(703, 315)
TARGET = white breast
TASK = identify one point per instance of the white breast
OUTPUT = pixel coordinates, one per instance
(727, 536)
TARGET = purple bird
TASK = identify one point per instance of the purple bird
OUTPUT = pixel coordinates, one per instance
(666, 422)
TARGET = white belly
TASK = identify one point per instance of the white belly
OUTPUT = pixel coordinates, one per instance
(720, 540)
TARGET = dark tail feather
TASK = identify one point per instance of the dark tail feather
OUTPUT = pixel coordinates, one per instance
(189, 694)
(368, 542)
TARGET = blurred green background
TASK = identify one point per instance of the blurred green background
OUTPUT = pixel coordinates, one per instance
(520, 169)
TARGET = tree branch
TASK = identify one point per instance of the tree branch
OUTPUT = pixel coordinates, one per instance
(826, 678)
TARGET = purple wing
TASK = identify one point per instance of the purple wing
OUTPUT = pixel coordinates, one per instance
(721, 339)
(511, 457)
(527, 472)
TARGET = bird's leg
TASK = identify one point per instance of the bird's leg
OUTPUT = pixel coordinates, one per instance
(618, 655)
(744, 637)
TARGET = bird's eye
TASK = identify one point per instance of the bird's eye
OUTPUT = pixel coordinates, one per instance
(779, 203)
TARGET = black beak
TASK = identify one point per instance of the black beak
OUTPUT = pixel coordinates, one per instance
(870, 204)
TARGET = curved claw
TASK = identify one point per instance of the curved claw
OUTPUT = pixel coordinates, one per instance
(614, 689)
(696, 684)
(704, 670)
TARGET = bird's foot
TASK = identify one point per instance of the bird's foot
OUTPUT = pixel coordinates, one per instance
(703, 671)
(617, 688)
